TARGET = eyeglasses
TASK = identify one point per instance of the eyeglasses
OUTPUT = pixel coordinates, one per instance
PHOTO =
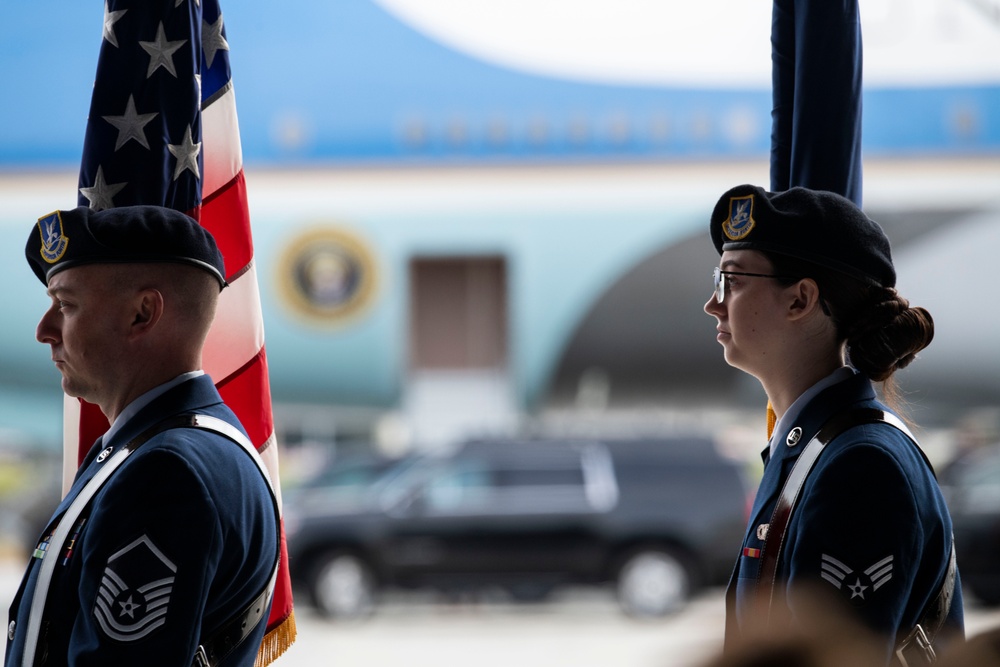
(720, 283)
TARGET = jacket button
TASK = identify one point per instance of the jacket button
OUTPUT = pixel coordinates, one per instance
(10, 630)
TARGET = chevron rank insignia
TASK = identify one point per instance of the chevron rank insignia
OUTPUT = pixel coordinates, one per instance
(135, 591)
(857, 586)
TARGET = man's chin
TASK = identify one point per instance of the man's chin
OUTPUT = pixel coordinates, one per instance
(72, 391)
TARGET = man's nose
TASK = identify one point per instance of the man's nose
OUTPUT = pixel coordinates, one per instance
(46, 331)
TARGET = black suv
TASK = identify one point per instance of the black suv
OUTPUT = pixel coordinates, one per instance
(657, 517)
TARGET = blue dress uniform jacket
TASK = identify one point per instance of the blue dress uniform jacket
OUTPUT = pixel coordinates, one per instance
(870, 522)
(181, 537)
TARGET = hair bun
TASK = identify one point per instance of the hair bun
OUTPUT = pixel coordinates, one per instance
(890, 337)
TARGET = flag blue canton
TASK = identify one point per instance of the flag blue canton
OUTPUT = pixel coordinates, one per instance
(157, 67)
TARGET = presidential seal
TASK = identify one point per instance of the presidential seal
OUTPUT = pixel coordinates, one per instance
(327, 274)
(54, 241)
(740, 221)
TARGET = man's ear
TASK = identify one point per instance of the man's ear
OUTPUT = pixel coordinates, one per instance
(804, 299)
(146, 312)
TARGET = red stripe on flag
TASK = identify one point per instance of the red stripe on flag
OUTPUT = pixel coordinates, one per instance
(93, 424)
(248, 393)
(281, 604)
(225, 215)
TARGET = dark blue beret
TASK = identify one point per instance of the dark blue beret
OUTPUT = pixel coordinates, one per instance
(64, 239)
(819, 227)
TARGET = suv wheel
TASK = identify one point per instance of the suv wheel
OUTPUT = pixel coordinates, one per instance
(343, 586)
(653, 582)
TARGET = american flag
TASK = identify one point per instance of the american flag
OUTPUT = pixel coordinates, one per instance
(163, 130)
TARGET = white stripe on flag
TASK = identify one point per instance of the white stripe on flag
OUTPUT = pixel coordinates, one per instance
(238, 332)
(224, 152)
(269, 455)
(71, 441)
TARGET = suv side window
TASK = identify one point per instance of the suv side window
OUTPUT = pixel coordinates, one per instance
(455, 487)
(472, 485)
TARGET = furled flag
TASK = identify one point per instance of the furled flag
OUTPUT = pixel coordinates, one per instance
(816, 58)
(163, 130)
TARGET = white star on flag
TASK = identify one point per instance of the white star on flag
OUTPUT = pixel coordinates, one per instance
(161, 52)
(130, 125)
(212, 39)
(110, 18)
(101, 194)
(186, 153)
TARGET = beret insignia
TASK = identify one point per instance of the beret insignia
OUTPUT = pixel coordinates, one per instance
(54, 242)
(740, 221)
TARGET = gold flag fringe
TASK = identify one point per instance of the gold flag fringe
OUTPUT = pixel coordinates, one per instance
(277, 641)
(772, 419)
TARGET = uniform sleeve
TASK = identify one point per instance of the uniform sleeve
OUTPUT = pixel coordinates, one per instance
(856, 533)
(150, 551)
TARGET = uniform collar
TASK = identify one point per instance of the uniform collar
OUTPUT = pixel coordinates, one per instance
(142, 401)
(793, 436)
(794, 411)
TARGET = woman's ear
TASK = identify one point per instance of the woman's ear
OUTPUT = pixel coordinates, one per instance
(805, 299)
